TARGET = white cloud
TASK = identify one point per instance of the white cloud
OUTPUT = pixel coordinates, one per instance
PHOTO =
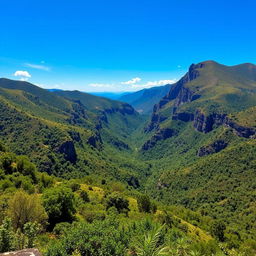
(35, 66)
(150, 84)
(132, 81)
(130, 85)
(24, 75)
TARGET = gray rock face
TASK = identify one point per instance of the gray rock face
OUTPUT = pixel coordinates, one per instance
(179, 92)
(185, 117)
(68, 150)
(25, 252)
(215, 147)
(203, 123)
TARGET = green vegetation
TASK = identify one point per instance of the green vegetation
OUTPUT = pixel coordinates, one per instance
(75, 178)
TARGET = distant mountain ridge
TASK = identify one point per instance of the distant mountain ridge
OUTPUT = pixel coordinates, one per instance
(144, 100)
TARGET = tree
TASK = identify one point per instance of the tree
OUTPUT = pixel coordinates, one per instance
(144, 204)
(117, 201)
(7, 236)
(217, 230)
(31, 230)
(59, 205)
(25, 208)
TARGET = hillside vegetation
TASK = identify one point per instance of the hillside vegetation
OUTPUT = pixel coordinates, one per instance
(181, 182)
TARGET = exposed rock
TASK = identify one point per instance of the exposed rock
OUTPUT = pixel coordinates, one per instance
(95, 141)
(203, 123)
(215, 147)
(25, 252)
(160, 135)
(179, 92)
(245, 132)
(68, 150)
(183, 116)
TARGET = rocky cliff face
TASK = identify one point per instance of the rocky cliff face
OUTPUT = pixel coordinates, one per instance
(203, 123)
(179, 93)
(68, 150)
(215, 147)
(160, 135)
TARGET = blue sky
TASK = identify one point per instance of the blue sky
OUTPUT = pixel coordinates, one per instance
(101, 45)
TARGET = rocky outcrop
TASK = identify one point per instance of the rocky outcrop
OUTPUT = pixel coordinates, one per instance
(215, 147)
(95, 140)
(203, 123)
(25, 252)
(183, 116)
(245, 132)
(68, 150)
(179, 93)
(162, 134)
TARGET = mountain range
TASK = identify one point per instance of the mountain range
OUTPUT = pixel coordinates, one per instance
(193, 146)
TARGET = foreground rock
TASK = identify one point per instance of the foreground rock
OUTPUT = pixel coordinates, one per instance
(25, 252)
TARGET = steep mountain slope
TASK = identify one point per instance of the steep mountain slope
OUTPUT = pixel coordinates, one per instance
(65, 134)
(144, 100)
(209, 95)
(201, 144)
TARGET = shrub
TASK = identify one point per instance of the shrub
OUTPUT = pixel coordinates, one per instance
(117, 201)
(59, 205)
(84, 196)
(25, 208)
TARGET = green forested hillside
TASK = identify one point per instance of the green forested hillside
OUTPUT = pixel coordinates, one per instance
(194, 157)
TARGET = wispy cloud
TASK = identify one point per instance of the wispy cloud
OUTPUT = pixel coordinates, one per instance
(23, 75)
(36, 66)
(131, 85)
(150, 84)
(132, 81)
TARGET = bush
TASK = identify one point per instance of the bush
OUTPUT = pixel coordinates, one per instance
(7, 236)
(74, 186)
(145, 205)
(117, 201)
(217, 230)
(59, 205)
(84, 196)
(61, 228)
(25, 208)
(99, 238)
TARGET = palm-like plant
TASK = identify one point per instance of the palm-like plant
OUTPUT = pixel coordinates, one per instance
(150, 246)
